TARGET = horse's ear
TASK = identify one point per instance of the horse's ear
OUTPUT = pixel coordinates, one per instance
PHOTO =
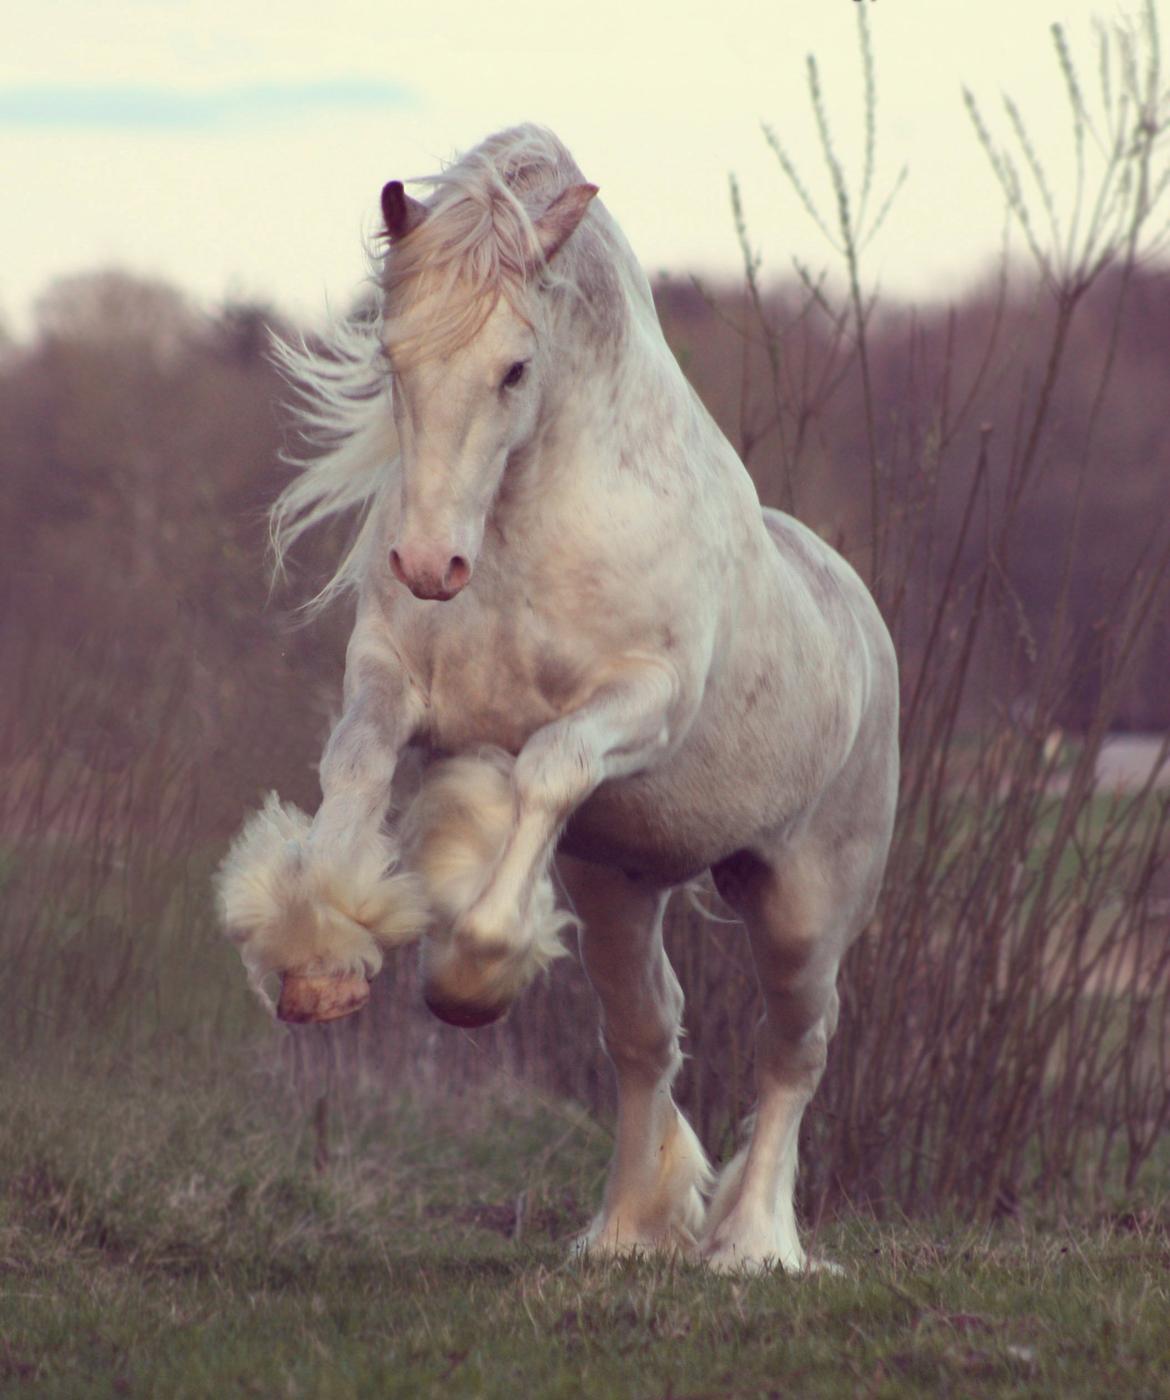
(561, 217)
(401, 213)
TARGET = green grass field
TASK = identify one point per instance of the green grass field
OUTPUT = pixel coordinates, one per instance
(176, 1231)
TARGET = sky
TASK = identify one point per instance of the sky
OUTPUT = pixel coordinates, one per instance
(237, 149)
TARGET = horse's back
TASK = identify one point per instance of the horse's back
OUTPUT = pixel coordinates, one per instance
(828, 575)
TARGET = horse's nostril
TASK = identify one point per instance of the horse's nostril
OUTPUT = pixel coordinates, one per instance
(396, 566)
(458, 572)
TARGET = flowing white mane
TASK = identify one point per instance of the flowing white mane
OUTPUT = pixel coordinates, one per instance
(476, 245)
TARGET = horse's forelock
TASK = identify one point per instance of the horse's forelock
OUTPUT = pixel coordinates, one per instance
(477, 244)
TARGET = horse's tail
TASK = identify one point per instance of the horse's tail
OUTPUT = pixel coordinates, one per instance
(344, 415)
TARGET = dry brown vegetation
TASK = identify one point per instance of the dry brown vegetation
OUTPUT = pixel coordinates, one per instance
(999, 469)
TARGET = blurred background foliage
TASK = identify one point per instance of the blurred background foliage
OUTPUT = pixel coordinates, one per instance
(141, 449)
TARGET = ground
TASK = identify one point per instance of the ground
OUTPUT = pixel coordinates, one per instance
(169, 1232)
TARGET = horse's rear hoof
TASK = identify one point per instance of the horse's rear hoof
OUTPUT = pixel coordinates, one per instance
(317, 999)
(468, 1015)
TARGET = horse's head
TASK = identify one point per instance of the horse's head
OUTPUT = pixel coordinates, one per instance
(463, 335)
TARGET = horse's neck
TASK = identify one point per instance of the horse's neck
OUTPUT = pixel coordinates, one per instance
(618, 410)
(616, 392)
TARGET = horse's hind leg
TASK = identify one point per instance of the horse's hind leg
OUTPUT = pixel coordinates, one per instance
(654, 1192)
(801, 915)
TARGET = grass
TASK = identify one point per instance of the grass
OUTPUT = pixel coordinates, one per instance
(172, 1230)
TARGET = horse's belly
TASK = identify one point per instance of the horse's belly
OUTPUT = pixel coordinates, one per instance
(738, 779)
(644, 828)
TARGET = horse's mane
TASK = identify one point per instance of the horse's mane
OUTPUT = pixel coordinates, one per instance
(476, 245)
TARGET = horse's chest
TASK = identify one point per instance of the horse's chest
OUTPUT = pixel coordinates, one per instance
(490, 685)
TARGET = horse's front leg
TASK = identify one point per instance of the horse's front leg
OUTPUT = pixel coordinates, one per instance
(473, 972)
(317, 902)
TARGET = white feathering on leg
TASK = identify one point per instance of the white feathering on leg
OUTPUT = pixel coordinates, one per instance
(458, 826)
(288, 908)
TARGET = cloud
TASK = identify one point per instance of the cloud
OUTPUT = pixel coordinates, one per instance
(48, 107)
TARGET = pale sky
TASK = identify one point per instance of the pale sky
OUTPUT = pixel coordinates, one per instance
(237, 149)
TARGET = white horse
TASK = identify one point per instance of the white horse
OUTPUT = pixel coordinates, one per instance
(563, 558)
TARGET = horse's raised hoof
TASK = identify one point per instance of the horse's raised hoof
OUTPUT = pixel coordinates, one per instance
(305, 1000)
(468, 1015)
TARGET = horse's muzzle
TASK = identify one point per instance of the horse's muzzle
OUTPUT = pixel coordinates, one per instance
(432, 579)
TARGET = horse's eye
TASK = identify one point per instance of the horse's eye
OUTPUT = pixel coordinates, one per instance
(514, 375)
